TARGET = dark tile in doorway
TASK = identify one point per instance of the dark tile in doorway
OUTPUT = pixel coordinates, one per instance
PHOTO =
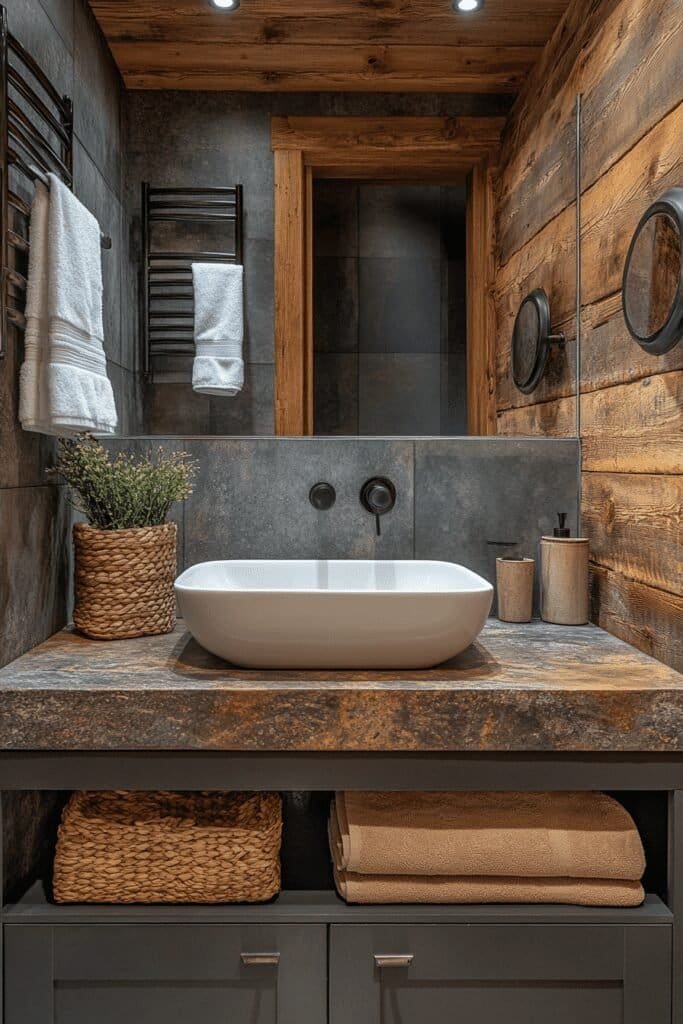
(400, 305)
(336, 305)
(399, 394)
(336, 393)
(399, 221)
(335, 218)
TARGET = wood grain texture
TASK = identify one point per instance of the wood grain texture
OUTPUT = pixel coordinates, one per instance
(413, 45)
(625, 58)
(290, 299)
(481, 371)
(608, 353)
(473, 136)
(633, 453)
(635, 524)
(649, 618)
(650, 407)
(581, 690)
(347, 22)
(556, 418)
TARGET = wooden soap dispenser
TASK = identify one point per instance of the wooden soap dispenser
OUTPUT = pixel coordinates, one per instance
(564, 576)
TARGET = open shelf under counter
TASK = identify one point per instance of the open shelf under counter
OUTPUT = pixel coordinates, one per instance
(325, 907)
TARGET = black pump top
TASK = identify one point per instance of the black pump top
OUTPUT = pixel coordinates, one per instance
(562, 530)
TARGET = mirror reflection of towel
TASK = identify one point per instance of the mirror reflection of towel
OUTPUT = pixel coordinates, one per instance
(218, 328)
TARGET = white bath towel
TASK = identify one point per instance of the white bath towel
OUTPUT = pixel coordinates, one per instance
(218, 328)
(64, 388)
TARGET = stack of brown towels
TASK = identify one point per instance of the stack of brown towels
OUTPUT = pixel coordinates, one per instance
(481, 847)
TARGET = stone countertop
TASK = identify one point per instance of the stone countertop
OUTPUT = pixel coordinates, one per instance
(532, 687)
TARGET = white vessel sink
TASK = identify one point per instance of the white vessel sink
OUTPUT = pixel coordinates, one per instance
(333, 614)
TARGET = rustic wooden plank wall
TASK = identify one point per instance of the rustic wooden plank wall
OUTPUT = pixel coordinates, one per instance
(625, 57)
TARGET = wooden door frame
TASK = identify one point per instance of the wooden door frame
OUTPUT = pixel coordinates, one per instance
(427, 149)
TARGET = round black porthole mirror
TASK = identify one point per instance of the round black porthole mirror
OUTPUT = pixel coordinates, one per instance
(531, 341)
(652, 290)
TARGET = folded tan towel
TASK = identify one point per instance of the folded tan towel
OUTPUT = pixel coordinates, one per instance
(585, 892)
(524, 835)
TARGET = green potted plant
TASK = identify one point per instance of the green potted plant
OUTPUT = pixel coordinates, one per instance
(125, 555)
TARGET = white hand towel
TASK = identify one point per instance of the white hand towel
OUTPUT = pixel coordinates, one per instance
(65, 341)
(218, 328)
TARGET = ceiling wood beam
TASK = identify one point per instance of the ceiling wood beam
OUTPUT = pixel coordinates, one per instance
(316, 22)
(295, 68)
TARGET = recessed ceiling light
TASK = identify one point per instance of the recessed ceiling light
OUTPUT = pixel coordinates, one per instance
(226, 5)
(467, 5)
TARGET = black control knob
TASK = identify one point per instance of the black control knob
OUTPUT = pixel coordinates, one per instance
(378, 496)
(322, 496)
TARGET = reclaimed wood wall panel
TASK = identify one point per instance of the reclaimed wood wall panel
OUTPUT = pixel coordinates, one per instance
(625, 57)
(647, 617)
(298, 45)
(481, 380)
(642, 48)
(556, 418)
(634, 522)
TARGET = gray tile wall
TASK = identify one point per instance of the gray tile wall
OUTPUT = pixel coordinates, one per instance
(34, 521)
(389, 280)
(209, 139)
(465, 500)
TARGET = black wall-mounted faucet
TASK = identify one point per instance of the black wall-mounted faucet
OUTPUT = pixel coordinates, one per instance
(378, 496)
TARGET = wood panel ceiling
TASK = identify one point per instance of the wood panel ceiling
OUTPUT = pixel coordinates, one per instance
(315, 45)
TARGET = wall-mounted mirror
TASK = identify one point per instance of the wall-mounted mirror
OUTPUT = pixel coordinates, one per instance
(653, 276)
(375, 302)
(531, 341)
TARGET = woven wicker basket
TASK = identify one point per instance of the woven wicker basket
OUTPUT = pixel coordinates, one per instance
(123, 581)
(130, 847)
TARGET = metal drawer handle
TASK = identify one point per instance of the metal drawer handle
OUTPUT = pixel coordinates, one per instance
(382, 960)
(260, 959)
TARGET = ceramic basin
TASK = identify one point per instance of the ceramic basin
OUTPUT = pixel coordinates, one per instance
(333, 614)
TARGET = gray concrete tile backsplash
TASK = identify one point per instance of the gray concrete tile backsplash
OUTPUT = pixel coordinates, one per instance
(465, 500)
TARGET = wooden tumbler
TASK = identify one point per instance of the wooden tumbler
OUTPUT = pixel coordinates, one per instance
(515, 589)
(564, 580)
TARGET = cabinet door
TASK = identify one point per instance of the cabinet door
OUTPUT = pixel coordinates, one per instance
(151, 974)
(526, 974)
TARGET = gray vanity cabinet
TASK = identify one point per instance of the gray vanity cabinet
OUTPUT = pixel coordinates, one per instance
(525, 974)
(156, 974)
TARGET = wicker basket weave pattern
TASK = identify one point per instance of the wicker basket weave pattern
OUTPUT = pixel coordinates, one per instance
(134, 847)
(123, 581)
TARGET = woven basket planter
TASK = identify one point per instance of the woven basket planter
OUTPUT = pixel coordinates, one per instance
(123, 581)
(130, 847)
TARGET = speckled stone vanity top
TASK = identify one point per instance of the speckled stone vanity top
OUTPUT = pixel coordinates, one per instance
(532, 687)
